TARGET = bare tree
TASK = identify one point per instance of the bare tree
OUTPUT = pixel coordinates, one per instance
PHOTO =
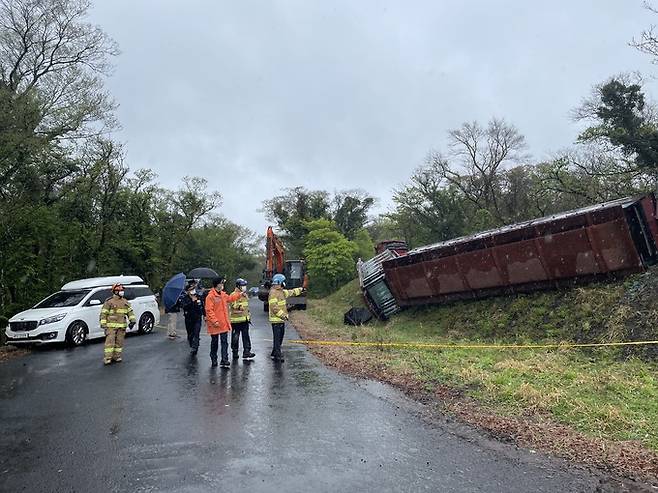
(588, 174)
(49, 52)
(476, 158)
(350, 210)
(648, 41)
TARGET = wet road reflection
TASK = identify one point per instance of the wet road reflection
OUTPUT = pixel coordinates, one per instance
(166, 421)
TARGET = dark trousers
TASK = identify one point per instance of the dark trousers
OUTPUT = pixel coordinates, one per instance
(278, 331)
(214, 342)
(193, 328)
(240, 329)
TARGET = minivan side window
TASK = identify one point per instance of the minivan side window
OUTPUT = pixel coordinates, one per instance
(138, 292)
(101, 295)
(145, 291)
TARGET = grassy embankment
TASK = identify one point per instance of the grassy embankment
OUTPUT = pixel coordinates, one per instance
(610, 394)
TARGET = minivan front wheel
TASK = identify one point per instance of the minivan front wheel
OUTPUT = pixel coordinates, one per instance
(76, 334)
(146, 323)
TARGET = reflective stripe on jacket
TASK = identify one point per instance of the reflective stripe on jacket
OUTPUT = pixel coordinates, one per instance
(277, 303)
(217, 318)
(114, 313)
(240, 309)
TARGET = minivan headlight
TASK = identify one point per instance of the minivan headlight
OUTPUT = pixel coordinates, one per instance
(53, 319)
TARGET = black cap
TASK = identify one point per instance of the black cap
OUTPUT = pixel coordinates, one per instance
(218, 280)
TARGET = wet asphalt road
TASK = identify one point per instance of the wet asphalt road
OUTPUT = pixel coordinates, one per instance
(163, 421)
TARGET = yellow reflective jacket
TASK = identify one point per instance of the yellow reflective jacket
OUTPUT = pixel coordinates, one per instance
(277, 302)
(240, 309)
(114, 313)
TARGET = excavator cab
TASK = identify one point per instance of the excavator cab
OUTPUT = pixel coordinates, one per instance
(295, 273)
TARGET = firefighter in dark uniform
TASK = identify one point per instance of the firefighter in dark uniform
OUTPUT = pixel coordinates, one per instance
(193, 309)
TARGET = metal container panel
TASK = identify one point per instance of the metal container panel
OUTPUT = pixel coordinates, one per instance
(569, 254)
(520, 262)
(649, 208)
(392, 278)
(479, 269)
(444, 276)
(412, 280)
(616, 246)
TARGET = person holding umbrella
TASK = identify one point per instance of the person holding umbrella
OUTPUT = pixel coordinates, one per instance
(193, 311)
(171, 295)
(198, 274)
(217, 318)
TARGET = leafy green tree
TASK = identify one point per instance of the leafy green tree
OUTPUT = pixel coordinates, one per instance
(428, 209)
(69, 205)
(291, 210)
(178, 212)
(365, 248)
(329, 257)
(297, 206)
(621, 117)
(384, 227)
(19, 143)
(228, 248)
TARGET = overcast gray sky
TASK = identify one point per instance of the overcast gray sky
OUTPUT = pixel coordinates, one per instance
(261, 95)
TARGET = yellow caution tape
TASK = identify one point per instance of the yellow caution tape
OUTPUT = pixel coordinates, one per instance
(422, 345)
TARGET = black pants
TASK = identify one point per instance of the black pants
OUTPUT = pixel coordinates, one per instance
(214, 342)
(278, 331)
(193, 328)
(240, 328)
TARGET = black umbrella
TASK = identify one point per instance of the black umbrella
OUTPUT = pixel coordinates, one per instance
(202, 273)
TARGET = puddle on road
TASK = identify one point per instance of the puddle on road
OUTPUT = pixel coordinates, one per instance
(310, 381)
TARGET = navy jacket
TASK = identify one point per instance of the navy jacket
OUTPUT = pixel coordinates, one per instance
(193, 310)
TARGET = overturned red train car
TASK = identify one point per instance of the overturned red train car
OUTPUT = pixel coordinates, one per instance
(613, 238)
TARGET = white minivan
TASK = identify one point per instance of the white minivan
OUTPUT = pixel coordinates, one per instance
(72, 314)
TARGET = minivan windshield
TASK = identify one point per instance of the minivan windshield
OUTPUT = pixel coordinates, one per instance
(64, 298)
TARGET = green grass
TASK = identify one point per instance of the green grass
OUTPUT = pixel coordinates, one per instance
(601, 392)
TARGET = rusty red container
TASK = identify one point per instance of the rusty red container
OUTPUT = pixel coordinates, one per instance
(613, 238)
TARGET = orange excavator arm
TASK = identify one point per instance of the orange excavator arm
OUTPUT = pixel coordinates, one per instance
(275, 261)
